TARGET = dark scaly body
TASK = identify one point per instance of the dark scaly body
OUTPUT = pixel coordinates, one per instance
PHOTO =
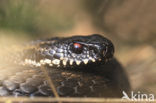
(78, 66)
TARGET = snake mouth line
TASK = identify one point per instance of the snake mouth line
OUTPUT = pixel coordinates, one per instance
(64, 62)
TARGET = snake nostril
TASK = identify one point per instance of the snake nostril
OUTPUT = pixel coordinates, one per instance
(109, 52)
(104, 53)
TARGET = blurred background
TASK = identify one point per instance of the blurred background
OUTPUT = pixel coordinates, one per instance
(130, 24)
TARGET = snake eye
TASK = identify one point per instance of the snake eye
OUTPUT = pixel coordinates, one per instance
(77, 48)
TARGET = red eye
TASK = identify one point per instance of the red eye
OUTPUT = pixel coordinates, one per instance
(77, 45)
(77, 48)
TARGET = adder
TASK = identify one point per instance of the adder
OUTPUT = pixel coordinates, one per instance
(79, 66)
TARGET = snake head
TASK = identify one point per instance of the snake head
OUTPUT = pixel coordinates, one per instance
(75, 51)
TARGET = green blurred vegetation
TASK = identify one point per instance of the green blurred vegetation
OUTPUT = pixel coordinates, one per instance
(27, 16)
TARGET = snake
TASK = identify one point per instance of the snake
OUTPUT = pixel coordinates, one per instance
(78, 66)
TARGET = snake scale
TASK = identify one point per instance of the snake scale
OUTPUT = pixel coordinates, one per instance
(79, 66)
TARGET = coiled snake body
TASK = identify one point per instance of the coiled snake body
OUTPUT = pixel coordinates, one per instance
(79, 66)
